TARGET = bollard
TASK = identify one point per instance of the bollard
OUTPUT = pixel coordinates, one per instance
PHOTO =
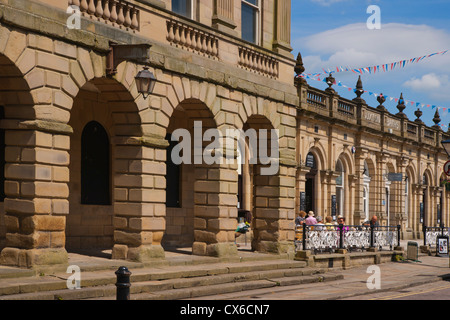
(123, 284)
(341, 236)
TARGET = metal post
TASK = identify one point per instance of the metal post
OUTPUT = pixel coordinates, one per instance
(304, 236)
(398, 235)
(372, 236)
(123, 284)
(341, 236)
(424, 229)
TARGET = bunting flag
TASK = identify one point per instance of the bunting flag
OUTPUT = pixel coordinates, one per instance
(417, 104)
(382, 67)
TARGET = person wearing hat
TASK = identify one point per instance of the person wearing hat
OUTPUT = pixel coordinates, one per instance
(310, 221)
(319, 225)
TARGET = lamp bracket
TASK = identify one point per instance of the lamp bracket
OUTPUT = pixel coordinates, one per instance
(118, 53)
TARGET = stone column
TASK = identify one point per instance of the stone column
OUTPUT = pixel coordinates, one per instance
(301, 180)
(282, 32)
(331, 182)
(223, 17)
(36, 188)
(274, 229)
(215, 209)
(401, 214)
(139, 198)
(380, 195)
(359, 181)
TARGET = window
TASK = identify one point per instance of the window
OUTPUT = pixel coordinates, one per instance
(95, 168)
(172, 177)
(183, 7)
(250, 12)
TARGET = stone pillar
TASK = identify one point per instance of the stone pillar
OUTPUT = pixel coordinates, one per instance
(36, 188)
(282, 32)
(301, 180)
(359, 214)
(215, 209)
(401, 214)
(223, 17)
(274, 229)
(380, 196)
(331, 182)
(139, 198)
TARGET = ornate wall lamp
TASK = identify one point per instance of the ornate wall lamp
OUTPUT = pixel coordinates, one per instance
(139, 53)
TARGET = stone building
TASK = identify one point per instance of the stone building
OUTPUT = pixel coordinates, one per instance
(358, 161)
(85, 157)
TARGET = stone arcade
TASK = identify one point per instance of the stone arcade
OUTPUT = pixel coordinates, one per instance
(84, 155)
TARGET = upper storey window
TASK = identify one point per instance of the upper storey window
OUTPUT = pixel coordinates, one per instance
(250, 13)
(183, 7)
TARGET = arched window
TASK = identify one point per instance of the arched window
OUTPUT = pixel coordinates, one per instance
(172, 177)
(95, 165)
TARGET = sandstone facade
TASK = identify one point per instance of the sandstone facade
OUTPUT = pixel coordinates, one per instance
(54, 82)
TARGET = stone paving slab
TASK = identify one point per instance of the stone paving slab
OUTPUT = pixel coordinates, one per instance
(394, 276)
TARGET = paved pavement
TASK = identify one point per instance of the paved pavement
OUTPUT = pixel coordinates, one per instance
(393, 276)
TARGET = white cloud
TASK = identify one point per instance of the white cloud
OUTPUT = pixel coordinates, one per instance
(355, 45)
(435, 85)
(430, 81)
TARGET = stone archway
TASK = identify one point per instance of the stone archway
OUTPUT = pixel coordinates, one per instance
(186, 173)
(264, 192)
(92, 220)
(35, 181)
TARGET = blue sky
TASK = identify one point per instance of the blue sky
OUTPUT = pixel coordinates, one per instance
(331, 33)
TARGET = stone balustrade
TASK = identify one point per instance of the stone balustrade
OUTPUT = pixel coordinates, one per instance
(258, 62)
(117, 13)
(321, 102)
(192, 39)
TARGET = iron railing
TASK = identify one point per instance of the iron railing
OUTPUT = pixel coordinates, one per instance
(320, 238)
(430, 234)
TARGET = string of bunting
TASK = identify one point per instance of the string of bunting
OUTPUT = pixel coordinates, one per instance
(378, 68)
(413, 103)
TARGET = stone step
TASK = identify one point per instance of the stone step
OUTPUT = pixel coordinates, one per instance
(179, 282)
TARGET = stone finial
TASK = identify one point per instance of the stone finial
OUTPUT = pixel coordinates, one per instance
(436, 120)
(381, 99)
(299, 68)
(401, 106)
(418, 114)
(359, 91)
(330, 81)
